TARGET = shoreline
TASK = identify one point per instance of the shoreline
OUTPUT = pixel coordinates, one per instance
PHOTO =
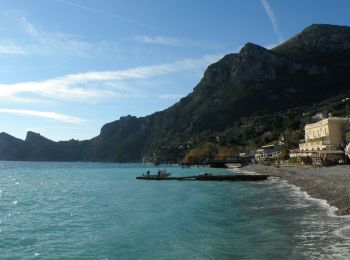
(331, 184)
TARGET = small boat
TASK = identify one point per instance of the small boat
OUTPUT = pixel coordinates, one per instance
(233, 165)
(162, 175)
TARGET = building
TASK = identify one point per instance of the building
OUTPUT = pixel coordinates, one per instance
(324, 139)
(327, 134)
(320, 116)
(347, 150)
(269, 151)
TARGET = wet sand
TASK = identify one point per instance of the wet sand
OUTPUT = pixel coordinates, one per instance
(331, 183)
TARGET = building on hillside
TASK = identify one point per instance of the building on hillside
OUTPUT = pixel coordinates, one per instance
(324, 140)
(269, 151)
(319, 116)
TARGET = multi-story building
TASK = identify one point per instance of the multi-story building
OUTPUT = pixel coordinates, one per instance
(325, 138)
(327, 134)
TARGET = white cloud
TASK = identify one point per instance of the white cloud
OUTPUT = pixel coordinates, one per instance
(175, 42)
(96, 85)
(59, 89)
(45, 114)
(273, 19)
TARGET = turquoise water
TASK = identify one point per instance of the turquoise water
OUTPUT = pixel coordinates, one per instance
(99, 211)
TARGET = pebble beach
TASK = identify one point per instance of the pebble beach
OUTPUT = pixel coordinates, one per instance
(330, 183)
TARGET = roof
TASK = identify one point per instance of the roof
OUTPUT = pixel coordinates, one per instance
(327, 120)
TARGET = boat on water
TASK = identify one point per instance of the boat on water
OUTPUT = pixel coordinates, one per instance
(233, 165)
(161, 175)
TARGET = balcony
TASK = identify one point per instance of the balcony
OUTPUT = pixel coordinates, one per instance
(316, 145)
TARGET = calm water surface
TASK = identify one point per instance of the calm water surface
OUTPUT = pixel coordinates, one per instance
(99, 211)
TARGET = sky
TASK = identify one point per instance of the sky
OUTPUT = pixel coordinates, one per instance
(67, 67)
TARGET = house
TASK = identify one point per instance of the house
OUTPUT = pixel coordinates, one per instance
(269, 151)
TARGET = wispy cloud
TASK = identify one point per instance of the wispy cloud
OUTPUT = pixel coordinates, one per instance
(45, 114)
(34, 40)
(96, 85)
(56, 43)
(175, 42)
(273, 19)
(104, 13)
(9, 47)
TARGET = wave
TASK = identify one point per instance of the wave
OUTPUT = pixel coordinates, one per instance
(297, 191)
(343, 232)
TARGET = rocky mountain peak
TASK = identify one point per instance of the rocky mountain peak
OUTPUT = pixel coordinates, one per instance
(255, 63)
(36, 138)
(251, 49)
(31, 135)
(316, 42)
(325, 36)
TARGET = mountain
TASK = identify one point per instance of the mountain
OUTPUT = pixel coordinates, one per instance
(11, 148)
(317, 42)
(39, 148)
(255, 85)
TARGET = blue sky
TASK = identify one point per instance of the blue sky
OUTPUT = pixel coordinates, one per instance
(69, 66)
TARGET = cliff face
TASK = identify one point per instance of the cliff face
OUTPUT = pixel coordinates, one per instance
(11, 148)
(39, 148)
(122, 140)
(310, 67)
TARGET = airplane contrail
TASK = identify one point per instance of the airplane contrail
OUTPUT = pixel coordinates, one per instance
(273, 19)
(118, 17)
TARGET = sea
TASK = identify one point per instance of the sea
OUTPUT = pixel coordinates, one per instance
(100, 211)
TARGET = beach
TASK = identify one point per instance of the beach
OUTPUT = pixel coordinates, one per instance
(330, 183)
